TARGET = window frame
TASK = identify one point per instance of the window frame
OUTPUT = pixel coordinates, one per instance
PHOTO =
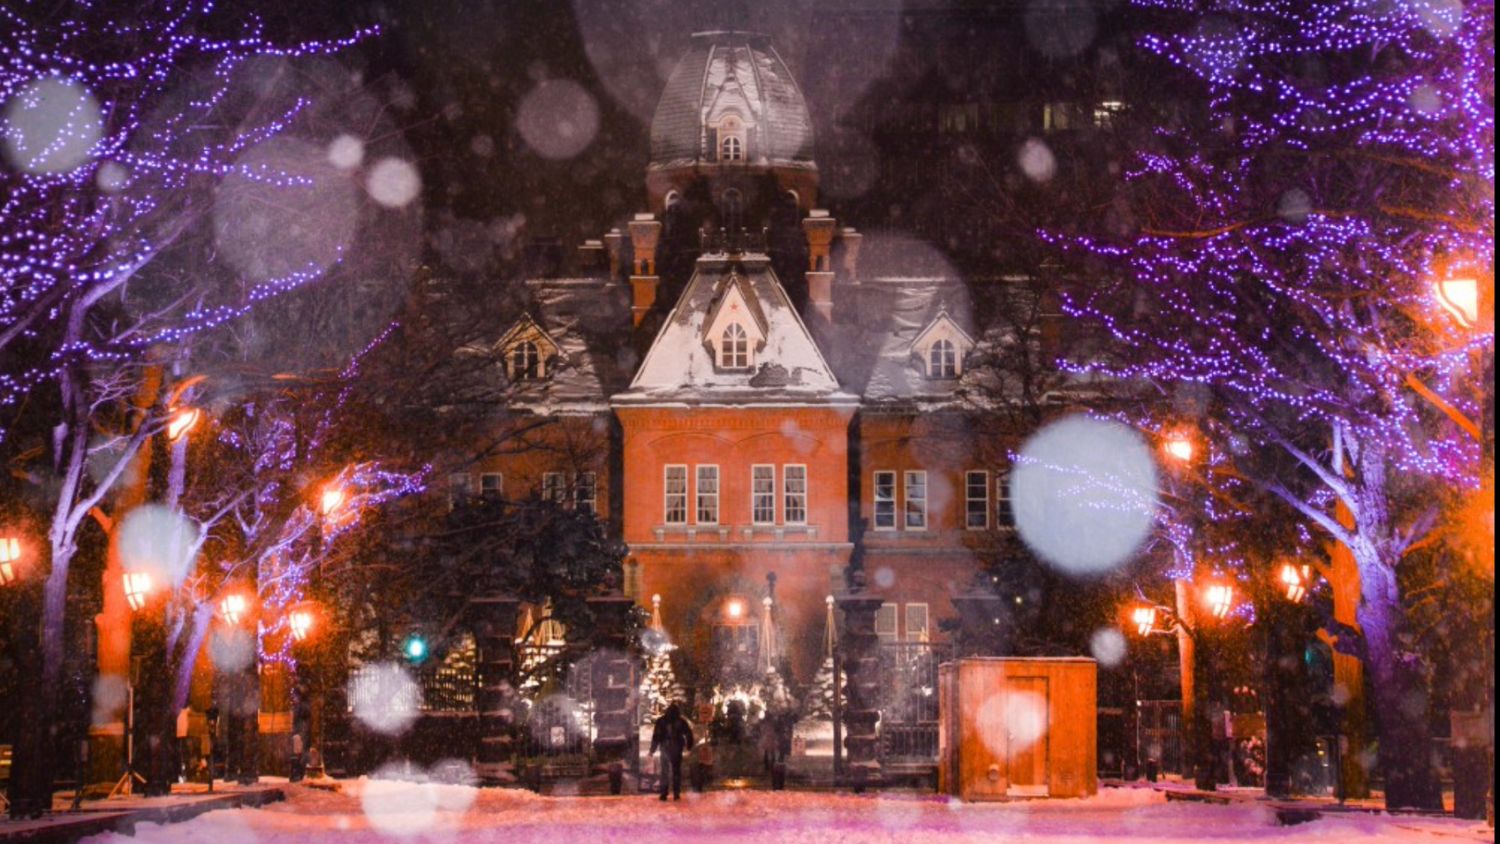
(499, 490)
(894, 609)
(731, 146)
(769, 494)
(1005, 514)
(970, 501)
(554, 487)
(906, 610)
(876, 500)
(699, 494)
(586, 482)
(942, 359)
(460, 488)
(734, 348)
(787, 493)
(520, 368)
(906, 499)
(668, 494)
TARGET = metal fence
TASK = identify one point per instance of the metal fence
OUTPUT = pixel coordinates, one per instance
(909, 700)
(1159, 733)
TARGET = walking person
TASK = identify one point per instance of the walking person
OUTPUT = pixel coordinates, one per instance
(672, 735)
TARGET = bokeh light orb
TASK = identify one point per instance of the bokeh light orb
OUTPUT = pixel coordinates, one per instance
(558, 119)
(1084, 493)
(50, 125)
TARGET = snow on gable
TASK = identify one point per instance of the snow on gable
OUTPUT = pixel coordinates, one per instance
(682, 367)
(527, 349)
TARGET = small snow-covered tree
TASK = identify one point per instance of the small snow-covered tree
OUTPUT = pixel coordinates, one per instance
(659, 685)
(820, 694)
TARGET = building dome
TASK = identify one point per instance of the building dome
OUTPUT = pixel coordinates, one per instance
(731, 100)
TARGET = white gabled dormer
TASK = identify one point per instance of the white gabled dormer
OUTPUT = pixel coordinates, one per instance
(735, 329)
(527, 350)
(941, 347)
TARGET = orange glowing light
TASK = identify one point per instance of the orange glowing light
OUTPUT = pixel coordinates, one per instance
(182, 421)
(10, 556)
(1144, 619)
(300, 622)
(331, 500)
(1459, 297)
(138, 588)
(735, 609)
(1295, 581)
(1179, 447)
(1220, 599)
(233, 607)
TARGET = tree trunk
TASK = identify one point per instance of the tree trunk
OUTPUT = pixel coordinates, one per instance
(1400, 696)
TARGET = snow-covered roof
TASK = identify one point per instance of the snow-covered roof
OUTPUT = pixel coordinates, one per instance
(585, 318)
(739, 71)
(679, 368)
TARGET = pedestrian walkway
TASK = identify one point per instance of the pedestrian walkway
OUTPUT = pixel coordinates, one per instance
(122, 814)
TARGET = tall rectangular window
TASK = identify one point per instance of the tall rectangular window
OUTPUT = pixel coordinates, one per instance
(553, 488)
(585, 492)
(977, 500)
(675, 503)
(885, 623)
(885, 500)
(794, 477)
(916, 500)
(916, 622)
(1004, 516)
(763, 495)
(491, 485)
(708, 495)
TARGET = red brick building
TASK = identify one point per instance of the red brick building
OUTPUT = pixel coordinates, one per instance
(742, 395)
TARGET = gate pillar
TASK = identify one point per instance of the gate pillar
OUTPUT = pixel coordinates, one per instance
(494, 639)
(860, 660)
(614, 682)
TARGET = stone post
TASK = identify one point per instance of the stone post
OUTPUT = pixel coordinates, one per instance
(614, 247)
(494, 639)
(851, 240)
(614, 684)
(860, 650)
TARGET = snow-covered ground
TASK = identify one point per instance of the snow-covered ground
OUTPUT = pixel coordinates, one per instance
(379, 811)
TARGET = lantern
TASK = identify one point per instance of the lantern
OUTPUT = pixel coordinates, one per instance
(10, 558)
(138, 588)
(1220, 599)
(182, 421)
(300, 622)
(1459, 297)
(1144, 619)
(331, 499)
(1295, 581)
(735, 609)
(233, 607)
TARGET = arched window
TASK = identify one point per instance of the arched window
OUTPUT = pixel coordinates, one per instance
(525, 361)
(942, 360)
(734, 348)
(730, 149)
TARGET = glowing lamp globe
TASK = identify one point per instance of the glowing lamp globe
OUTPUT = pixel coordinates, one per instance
(138, 588)
(1220, 599)
(1459, 297)
(1179, 447)
(331, 499)
(414, 649)
(735, 609)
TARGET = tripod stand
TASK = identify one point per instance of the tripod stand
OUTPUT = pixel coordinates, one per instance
(126, 783)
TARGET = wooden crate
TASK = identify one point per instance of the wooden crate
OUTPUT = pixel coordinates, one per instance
(1013, 727)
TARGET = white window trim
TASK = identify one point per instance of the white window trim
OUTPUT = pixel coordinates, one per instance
(1002, 494)
(499, 484)
(906, 477)
(666, 493)
(753, 507)
(786, 493)
(894, 500)
(969, 500)
(698, 493)
(926, 619)
(937, 359)
(554, 487)
(727, 351)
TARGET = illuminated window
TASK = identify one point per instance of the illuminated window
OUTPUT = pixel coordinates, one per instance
(763, 495)
(675, 507)
(708, 495)
(916, 500)
(794, 509)
(885, 500)
(977, 500)
(942, 360)
(734, 348)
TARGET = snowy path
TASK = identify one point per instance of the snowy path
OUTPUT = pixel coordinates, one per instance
(369, 812)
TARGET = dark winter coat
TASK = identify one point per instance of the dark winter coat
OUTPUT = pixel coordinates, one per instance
(671, 733)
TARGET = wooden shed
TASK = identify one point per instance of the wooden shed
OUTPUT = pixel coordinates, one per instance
(1012, 727)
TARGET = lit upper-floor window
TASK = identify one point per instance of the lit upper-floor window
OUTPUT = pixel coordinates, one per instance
(885, 500)
(794, 500)
(916, 500)
(675, 491)
(708, 495)
(940, 348)
(525, 361)
(763, 494)
(731, 138)
(734, 348)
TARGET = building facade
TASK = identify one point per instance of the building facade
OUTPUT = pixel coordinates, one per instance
(750, 401)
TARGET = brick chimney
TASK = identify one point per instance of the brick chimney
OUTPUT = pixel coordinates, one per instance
(819, 228)
(644, 232)
(614, 244)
